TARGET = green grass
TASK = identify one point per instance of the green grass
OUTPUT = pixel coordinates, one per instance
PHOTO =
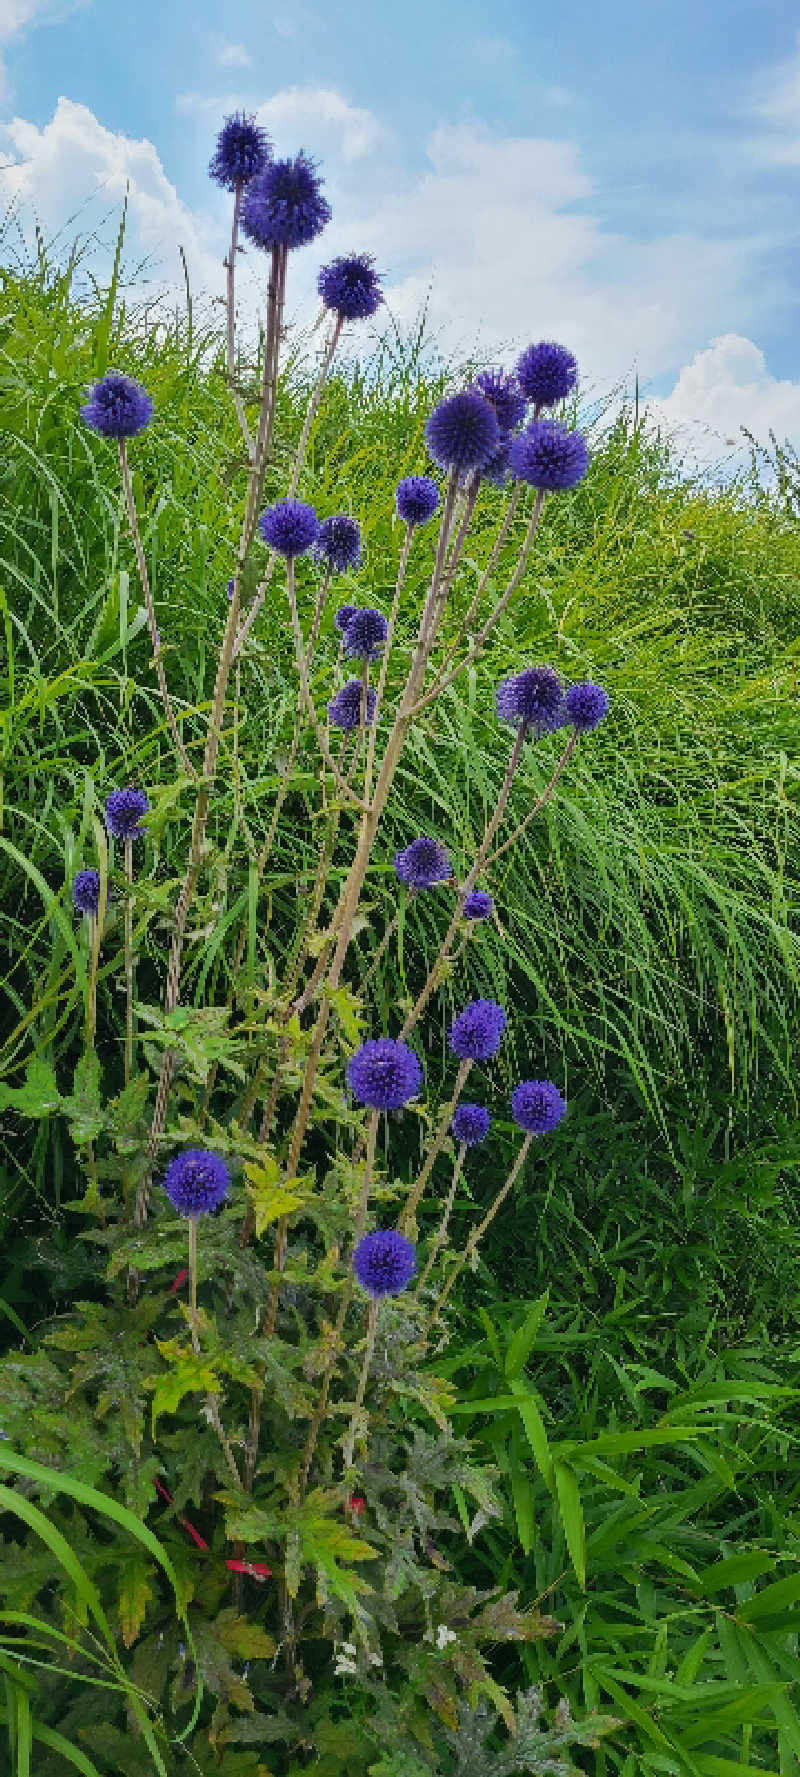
(647, 951)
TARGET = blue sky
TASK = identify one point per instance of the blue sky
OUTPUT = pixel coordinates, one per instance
(623, 178)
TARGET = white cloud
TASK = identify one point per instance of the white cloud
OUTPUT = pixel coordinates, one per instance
(320, 112)
(234, 55)
(776, 103)
(727, 386)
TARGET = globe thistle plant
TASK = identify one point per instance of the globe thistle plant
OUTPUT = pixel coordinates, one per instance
(422, 864)
(477, 905)
(505, 396)
(344, 710)
(289, 527)
(364, 634)
(123, 811)
(475, 1034)
(338, 544)
(470, 1124)
(342, 617)
(197, 1182)
(586, 706)
(417, 499)
(546, 373)
(384, 1262)
(537, 1106)
(86, 891)
(243, 150)
(350, 287)
(283, 204)
(117, 406)
(534, 698)
(548, 456)
(384, 1074)
(462, 432)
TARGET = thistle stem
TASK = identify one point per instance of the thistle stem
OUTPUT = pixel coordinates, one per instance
(230, 317)
(369, 1352)
(477, 1235)
(144, 578)
(193, 1220)
(305, 695)
(129, 1025)
(406, 1214)
(441, 1232)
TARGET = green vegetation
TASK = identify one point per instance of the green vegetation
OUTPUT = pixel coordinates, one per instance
(627, 1351)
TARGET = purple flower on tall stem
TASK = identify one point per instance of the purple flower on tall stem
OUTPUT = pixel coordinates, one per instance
(462, 432)
(586, 706)
(117, 406)
(505, 395)
(123, 811)
(196, 1182)
(242, 150)
(475, 1034)
(417, 499)
(537, 1106)
(338, 543)
(477, 905)
(283, 204)
(344, 709)
(534, 697)
(549, 456)
(384, 1262)
(546, 372)
(384, 1074)
(365, 634)
(351, 287)
(86, 891)
(342, 617)
(423, 863)
(289, 527)
(470, 1124)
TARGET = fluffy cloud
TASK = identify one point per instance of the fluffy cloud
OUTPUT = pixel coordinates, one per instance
(294, 112)
(725, 387)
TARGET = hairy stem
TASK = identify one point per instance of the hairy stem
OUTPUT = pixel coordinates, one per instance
(441, 1233)
(369, 1351)
(129, 1028)
(151, 613)
(230, 319)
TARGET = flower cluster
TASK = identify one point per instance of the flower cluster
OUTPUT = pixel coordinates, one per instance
(549, 456)
(196, 1182)
(384, 1074)
(86, 891)
(364, 634)
(470, 1124)
(284, 206)
(475, 1034)
(537, 1106)
(462, 432)
(423, 863)
(350, 287)
(416, 499)
(289, 527)
(384, 1262)
(338, 542)
(123, 811)
(242, 151)
(344, 710)
(117, 406)
(533, 699)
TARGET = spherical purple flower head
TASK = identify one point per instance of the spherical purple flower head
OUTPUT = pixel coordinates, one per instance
(343, 615)
(549, 456)
(117, 406)
(283, 205)
(477, 905)
(537, 1106)
(350, 287)
(196, 1182)
(86, 891)
(242, 151)
(124, 808)
(365, 634)
(475, 1034)
(289, 526)
(586, 705)
(498, 467)
(506, 397)
(384, 1074)
(535, 697)
(384, 1262)
(417, 499)
(462, 432)
(546, 373)
(423, 863)
(344, 709)
(338, 542)
(470, 1124)
(229, 590)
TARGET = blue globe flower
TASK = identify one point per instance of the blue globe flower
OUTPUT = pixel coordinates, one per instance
(365, 634)
(417, 499)
(534, 697)
(423, 863)
(117, 406)
(462, 432)
(384, 1262)
(350, 287)
(549, 456)
(505, 395)
(338, 542)
(586, 706)
(537, 1106)
(475, 1034)
(123, 811)
(470, 1124)
(86, 891)
(283, 204)
(242, 151)
(477, 905)
(384, 1074)
(546, 372)
(196, 1182)
(344, 709)
(342, 617)
(289, 527)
